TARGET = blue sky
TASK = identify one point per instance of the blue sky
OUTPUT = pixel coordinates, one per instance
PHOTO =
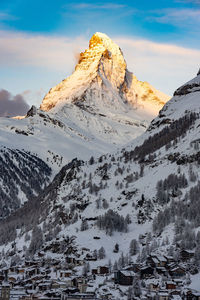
(39, 40)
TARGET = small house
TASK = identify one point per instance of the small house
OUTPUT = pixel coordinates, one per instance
(177, 272)
(170, 285)
(186, 255)
(102, 270)
(146, 272)
(123, 277)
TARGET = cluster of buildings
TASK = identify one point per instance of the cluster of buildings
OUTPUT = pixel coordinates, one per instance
(159, 277)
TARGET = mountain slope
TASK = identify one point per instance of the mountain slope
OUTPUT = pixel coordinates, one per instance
(22, 177)
(145, 194)
(127, 181)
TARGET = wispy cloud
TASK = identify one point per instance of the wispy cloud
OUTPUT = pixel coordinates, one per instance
(18, 49)
(163, 65)
(181, 17)
(4, 16)
(107, 6)
(188, 1)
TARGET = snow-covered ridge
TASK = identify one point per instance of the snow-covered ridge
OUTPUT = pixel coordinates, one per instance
(186, 99)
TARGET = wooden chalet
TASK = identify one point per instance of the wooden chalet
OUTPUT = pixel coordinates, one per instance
(146, 272)
(94, 271)
(163, 295)
(156, 261)
(186, 255)
(177, 272)
(102, 270)
(123, 277)
(65, 274)
(192, 295)
(170, 285)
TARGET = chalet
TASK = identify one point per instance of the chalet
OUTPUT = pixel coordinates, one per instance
(55, 284)
(169, 259)
(162, 260)
(152, 261)
(163, 296)
(70, 260)
(161, 270)
(133, 267)
(90, 257)
(175, 297)
(94, 271)
(81, 296)
(102, 270)
(123, 277)
(157, 260)
(30, 263)
(179, 282)
(82, 287)
(44, 286)
(78, 280)
(186, 255)
(13, 269)
(146, 272)
(5, 292)
(52, 295)
(13, 277)
(2, 277)
(192, 295)
(20, 270)
(177, 272)
(170, 285)
(32, 271)
(65, 274)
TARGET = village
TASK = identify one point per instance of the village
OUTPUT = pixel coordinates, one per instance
(159, 277)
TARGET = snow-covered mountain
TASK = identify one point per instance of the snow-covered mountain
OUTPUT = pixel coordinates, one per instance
(100, 106)
(147, 191)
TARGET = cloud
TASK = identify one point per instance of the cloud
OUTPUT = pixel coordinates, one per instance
(12, 105)
(106, 6)
(165, 66)
(183, 17)
(17, 49)
(4, 16)
(188, 1)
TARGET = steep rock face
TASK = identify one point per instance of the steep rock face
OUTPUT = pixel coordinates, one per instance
(102, 72)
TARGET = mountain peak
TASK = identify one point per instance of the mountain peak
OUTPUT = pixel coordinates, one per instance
(101, 74)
